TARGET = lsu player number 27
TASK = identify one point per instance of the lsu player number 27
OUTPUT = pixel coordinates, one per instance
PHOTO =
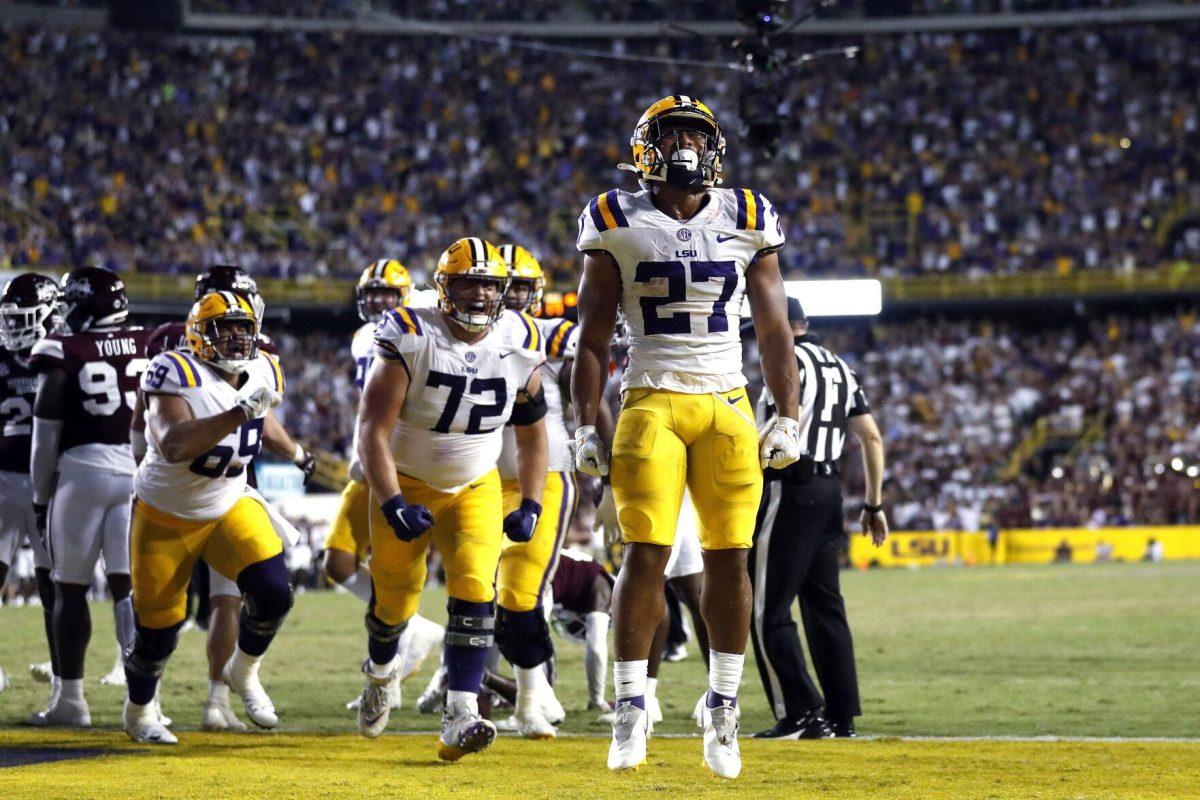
(207, 406)
(678, 258)
(444, 384)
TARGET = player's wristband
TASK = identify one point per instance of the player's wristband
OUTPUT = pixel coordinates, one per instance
(299, 455)
(870, 509)
(532, 506)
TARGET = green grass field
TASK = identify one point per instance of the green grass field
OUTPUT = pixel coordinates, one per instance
(1062, 651)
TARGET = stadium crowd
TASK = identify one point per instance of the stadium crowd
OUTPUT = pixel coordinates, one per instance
(953, 399)
(161, 154)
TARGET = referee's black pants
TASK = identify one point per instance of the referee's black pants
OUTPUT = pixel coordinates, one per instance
(797, 542)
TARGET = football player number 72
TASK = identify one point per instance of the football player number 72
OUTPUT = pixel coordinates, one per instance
(676, 275)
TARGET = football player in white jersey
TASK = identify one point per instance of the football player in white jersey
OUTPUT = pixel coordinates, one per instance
(383, 285)
(207, 411)
(429, 455)
(526, 568)
(678, 258)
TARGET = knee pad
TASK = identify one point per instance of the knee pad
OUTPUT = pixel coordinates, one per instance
(379, 630)
(151, 649)
(471, 624)
(267, 596)
(524, 637)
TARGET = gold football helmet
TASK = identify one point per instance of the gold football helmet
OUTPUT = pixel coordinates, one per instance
(685, 169)
(383, 285)
(223, 331)
(526, 275)
(471, 260)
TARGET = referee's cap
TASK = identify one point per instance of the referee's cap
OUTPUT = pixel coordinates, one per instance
(795, 311)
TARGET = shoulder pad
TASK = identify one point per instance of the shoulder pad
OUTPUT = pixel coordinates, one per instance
(602, 214)
(561, 339)
(170, 372)
(527, 334)
(400, 331)
(275, 370)
(48, 350)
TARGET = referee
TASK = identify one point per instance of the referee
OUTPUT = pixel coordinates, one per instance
(797, 541)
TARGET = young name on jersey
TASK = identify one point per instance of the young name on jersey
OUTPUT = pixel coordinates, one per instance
(683, 282)
(208, 485)
(460, 395)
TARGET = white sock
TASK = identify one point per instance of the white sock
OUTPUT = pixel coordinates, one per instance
(596, 655)
(243, 664)
(72, 689)
(382, 670)
(629, 679)
(651, 689)
(218, 692)
(359, 584)
(55, 689)
(725, 672)
(530, 683)
(469, 698)
(126, 630)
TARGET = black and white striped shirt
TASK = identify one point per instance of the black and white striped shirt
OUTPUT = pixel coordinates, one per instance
(829, 396)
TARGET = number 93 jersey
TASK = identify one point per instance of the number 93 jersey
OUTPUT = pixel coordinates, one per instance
(682, 282)
(207, 486)
(460, 395)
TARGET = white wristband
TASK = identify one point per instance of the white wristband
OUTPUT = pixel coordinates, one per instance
(299, 455)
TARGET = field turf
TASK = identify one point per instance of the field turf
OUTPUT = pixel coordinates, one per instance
(1063, 651)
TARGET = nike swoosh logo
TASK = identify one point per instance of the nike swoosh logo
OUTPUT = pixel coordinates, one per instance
(734, 400)
(721, 239)
(506, 355)
(474, 485)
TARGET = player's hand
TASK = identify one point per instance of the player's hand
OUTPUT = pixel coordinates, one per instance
(306, 462)
(408, 522)
(39, 518)
(875, 525)
(779, 443)
(606, 518)
(520, 524)
(259, 402)
(590, 454)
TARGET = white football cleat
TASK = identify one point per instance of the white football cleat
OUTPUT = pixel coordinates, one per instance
(532, 724)
(721, 752)
(163, 719)
(143, 726)
(218, 716)
(464, 731)
(241, 676)
(42, 672)
(375, 702)
(698, 711)
(423, 636)
(394, 694)
(631, 729)
(431, 700)
(653, 711)
(63, 713)
(506, 725)
(4, 684)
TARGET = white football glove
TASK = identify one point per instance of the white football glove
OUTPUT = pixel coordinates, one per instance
(779, 443)
(590, 454)
(259, 402)
(606, 518)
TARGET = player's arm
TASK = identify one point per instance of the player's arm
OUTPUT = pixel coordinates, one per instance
(599, 293)
(47, 430)
(382, 399)
(529, 426)
(180, 436)
(137, 427)
(780, 443)
(278, 441)
(874, 521)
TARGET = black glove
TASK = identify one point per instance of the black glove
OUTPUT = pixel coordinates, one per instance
(308, 465)
(520, 524)
(408, 522)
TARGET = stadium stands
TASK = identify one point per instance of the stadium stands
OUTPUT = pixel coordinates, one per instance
(921, 157)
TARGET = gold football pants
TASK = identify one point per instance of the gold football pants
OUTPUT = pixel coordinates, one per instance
(350, 531)
(527, 567)
(708, 442)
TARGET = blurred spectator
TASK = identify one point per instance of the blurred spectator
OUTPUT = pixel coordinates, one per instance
(1062, 553)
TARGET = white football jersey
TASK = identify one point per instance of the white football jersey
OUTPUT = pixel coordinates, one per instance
(207, 486)
(460, 395)
(362, 350)
(682, 282)
(560, 339)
